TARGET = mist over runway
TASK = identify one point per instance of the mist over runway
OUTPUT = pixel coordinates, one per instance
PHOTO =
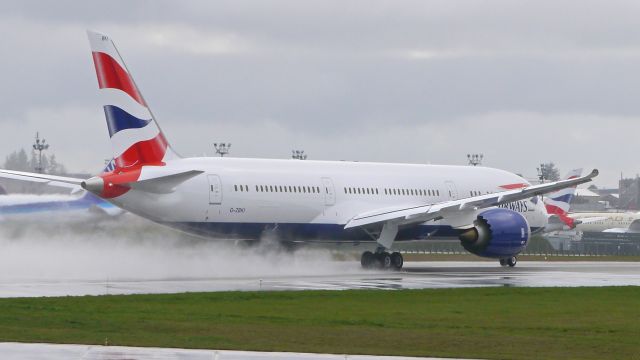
(130, 248)
(131, 256)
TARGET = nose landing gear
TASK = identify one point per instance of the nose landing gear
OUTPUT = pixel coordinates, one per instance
(381, 260)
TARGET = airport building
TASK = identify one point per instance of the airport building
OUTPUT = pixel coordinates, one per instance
(629, 194)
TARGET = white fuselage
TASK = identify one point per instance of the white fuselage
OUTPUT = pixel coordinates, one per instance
(303, 199)
(606, 221)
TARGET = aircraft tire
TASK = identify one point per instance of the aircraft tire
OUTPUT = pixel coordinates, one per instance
(397, 261)
(384, 260)
(503, 262)
(367, 260)
(512, 261)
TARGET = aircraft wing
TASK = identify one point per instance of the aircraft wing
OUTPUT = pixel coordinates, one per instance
(420, 214)
(41, 178)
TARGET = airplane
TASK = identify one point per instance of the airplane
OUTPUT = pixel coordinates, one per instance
(492, 212)
(52, 207)
(608, 222)
(71, 206)
(558, 205)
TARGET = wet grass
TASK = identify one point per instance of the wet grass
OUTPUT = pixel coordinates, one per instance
(501, 323)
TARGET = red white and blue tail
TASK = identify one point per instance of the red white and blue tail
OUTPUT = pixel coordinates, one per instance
(558, 203)
(135, 135)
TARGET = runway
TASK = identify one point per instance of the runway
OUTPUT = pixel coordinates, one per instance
(18, 351)
(348, 275)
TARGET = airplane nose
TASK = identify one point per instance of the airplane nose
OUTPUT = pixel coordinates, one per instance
(94, 185)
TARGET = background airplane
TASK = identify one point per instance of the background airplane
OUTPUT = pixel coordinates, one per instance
(614, 222)
(493, 212)
(558, 206)
(71, 207)
(54, 207)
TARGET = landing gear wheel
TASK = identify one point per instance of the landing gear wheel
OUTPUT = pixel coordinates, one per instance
(512, 261)
(367, 260)
(384, 260)
(503, 262)
(397, 260)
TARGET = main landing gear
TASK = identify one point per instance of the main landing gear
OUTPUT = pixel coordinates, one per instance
(511, 261)
(381, 260)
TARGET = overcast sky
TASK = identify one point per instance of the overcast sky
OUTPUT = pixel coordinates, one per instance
(523, 82)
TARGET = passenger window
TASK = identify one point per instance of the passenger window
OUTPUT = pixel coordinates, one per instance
(376, 191)
(385, 191)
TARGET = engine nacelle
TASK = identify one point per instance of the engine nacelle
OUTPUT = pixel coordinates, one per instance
(497, 233)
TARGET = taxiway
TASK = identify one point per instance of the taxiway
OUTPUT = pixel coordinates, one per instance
(416, 275)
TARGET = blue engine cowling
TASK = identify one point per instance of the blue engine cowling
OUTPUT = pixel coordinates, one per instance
(497, 233)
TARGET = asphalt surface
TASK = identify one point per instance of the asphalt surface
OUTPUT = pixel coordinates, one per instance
(16, 351)
(415, 275)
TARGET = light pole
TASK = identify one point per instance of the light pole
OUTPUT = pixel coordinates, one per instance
(475, 159)
(298, 155)
(39, 146)
(222, 149)
(542, 173)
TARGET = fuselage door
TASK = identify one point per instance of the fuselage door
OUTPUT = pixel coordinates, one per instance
(215, 190)
(329, 194)
(452, 190)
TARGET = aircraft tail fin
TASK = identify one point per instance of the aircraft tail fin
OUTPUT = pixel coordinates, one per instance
(558, 203)
(136, 137)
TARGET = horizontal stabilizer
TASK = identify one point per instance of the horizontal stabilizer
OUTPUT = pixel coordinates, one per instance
(53, 180)
(163, 184)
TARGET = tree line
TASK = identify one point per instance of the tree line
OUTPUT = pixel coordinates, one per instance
(19, 160)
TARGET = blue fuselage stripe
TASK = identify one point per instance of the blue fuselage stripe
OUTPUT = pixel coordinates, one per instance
(304, 231)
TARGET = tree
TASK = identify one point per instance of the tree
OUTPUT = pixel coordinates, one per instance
(17, 160)
(55, 167)
(550, 172)
(20, 161)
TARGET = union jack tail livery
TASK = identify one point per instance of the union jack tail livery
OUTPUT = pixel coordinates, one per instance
(135, 135)
(559, 202)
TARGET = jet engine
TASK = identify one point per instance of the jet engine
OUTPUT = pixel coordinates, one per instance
(497, 233)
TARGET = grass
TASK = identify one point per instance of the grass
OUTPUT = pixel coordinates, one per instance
(501, 323)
